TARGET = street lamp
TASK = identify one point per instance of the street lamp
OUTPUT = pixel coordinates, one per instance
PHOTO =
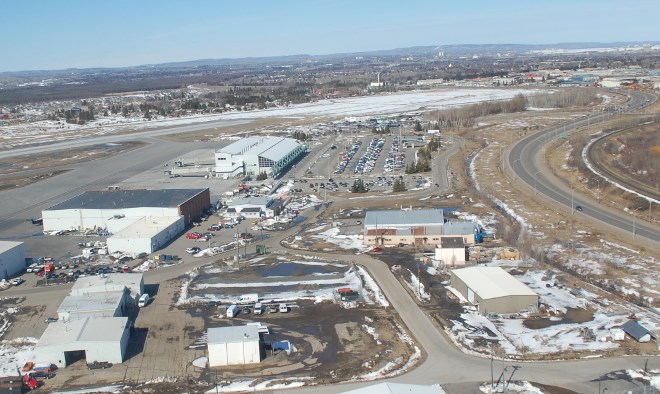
(535, 190)
(634, 217)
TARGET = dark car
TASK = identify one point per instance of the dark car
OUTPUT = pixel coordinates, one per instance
(50, 320)
(578, 208)
(99, 365)
(42, 374)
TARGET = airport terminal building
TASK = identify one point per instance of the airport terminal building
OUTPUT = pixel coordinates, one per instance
(254, 155)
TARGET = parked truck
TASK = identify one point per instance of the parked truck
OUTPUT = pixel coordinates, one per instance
(233, 311)
(248, 298)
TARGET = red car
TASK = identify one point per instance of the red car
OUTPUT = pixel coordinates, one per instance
(377, 249)
(193, 235)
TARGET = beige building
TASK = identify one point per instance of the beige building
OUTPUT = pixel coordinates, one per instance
(493, 290)
(451, 251)
(414, 227)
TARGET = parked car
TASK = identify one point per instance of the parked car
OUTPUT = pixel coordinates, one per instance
(376, 249)
(246, 310)
(193, 250)
(50, 320)
(17, 281)
(99, 365)
(42, 374)
(194, 235)
(214, 227)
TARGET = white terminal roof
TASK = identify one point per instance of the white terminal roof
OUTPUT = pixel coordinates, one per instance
(274, 148)
(492, 282)
(240, 146)
(233, 334)
(399, 218)
(98, 329)
(91, 302)
(8, 245)
(249, 201)
(146, 227)
(107, 283)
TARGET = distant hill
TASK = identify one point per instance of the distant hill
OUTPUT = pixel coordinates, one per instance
(430, 50)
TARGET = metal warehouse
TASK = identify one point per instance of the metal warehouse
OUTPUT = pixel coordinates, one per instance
(493, 290)
(12, 258)
(236, 345)
(413, 227)
(141, 220)
(130, 283)
(254, 155)
(91, 339)
(110, 304)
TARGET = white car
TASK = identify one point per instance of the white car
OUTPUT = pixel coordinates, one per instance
(17, 281)
(193, 250)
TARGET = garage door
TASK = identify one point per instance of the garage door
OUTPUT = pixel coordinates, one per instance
(470, 295)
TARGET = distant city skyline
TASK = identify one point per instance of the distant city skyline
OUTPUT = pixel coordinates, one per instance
(47, 35)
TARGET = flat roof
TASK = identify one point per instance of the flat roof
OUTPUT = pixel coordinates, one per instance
(249, 201)
(88, 329)
(107, 282)
(492, 282)
(120, 199)
(459, 228)
(399, 218)
(146, 227)
(91, 302)
(246, 333)
(452, 242)
(8, 245)
(274, 148)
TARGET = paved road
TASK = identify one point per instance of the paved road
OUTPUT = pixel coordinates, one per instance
(524, 160)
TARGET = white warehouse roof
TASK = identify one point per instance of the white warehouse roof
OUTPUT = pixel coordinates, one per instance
(146, 227)
(247, 333)
(99, 329)
(492, 282)
(400, 218)
(108, 283)
(8, 245)
(91, 302)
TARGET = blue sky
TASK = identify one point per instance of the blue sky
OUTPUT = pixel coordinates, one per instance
(48, 34)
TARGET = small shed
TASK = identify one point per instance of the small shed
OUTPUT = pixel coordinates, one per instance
(235, 345)
(636, 331)
(451, 251)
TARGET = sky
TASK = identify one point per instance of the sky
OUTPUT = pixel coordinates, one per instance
(49, 34)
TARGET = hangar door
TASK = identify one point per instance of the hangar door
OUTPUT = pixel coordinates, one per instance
(470, 295)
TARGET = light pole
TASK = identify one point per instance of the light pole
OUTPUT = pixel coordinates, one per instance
(535, 190)
(634, 217)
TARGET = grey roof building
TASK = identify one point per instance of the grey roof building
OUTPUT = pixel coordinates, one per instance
(121, 199)
(636, 331)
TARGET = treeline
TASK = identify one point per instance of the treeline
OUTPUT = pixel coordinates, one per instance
(565, 98)
(466, 116)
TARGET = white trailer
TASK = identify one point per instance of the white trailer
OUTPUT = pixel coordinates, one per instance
(233, 311)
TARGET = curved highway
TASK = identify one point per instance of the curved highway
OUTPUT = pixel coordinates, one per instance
(524, 159)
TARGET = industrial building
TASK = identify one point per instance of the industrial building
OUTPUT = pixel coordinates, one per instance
(91, 339)
(413, 227)
(129, 283)
(254, 155)
(12, 258)
(235, 345)
(140, 221)
(451, 251)
(493, 290)
(109, 304)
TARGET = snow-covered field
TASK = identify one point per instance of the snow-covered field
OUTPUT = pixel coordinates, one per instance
(51, 131)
